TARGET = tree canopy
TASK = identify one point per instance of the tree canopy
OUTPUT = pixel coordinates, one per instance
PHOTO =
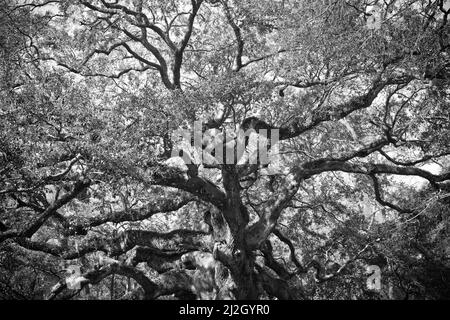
(93, 91)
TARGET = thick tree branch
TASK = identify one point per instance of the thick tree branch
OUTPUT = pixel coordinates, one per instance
(259, 231)
(95, 276)
(299, 126)
(29, 230)
(273, 286)
(272, 263)
(169, 203)
(85, 246)
(157, 259)
(412, 162)
(96, 74)
(292, 255)
(173, 177)
(178, 57)
(171, 243)
(383, 202)
(238, 36)
(173, 240)
(314, 168)
(112, 8)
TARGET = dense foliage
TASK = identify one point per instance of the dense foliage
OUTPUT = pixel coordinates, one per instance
(92, 92)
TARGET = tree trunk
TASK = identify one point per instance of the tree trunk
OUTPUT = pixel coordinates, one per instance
(234, 273)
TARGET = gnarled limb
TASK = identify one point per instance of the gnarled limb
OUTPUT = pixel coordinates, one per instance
(157, 259)
(178, 56)
(300, 126)
(173, 177)
(155, 206)
(173, 240)
(376, 186)
(273, 286)
(292, 255)
(31, 229)
(180, 240)
(311, 169)
(95, 276)
(272, 263)
(238, 35)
